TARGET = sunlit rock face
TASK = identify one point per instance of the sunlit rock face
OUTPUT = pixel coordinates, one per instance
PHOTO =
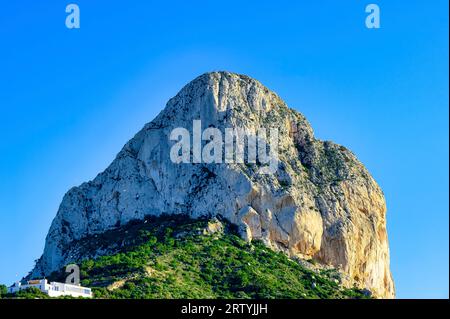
(321, 203)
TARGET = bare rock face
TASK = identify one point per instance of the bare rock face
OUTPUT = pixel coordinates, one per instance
(321, 203)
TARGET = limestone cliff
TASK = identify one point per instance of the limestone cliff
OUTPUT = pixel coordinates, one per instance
(321, 203)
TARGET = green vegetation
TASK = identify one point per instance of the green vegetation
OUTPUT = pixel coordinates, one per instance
(284, 183)
(3, 290)
(29, 293)
(177, 257)
(174, 257)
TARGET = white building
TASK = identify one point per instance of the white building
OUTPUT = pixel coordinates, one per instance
(53, 289)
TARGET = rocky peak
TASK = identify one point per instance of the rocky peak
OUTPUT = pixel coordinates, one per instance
(321, 203)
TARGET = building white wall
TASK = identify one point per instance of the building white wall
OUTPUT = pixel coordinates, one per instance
(57, 289)
(53, 289)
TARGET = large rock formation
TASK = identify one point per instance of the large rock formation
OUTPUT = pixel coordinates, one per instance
(321, 203)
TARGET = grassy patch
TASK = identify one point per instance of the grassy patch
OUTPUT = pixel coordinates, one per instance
(171, 257)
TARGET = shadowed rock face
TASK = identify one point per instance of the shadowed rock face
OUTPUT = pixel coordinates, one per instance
(321, 203)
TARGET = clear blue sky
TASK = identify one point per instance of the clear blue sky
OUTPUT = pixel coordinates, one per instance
(70, 99)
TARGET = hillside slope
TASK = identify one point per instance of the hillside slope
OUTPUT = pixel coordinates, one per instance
(179, 257)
